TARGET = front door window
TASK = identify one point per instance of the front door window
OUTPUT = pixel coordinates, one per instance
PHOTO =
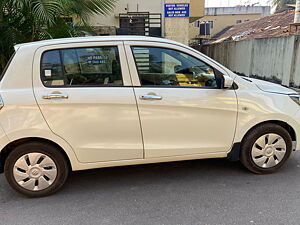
(167, 67)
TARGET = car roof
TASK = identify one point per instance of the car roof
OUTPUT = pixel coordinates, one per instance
(95, 39)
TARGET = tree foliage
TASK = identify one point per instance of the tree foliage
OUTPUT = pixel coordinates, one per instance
(30, 20)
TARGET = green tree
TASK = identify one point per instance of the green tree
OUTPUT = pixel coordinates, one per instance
(31, 20)
(281, 4)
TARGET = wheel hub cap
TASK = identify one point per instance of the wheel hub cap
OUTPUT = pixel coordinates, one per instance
(268, 150)
(35, 171)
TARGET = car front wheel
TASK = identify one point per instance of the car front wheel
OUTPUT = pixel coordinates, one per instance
(36, 169)
(266, 148)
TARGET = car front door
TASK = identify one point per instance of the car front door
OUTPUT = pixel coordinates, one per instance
(85, 94)
(182, 108)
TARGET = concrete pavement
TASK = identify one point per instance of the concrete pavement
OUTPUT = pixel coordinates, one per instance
(192, 192)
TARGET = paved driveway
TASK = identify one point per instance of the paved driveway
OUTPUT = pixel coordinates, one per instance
(192, 192)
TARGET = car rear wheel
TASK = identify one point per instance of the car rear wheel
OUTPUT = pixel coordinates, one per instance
(36, 169)
(266, 148)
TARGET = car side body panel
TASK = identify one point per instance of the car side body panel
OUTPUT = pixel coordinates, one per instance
(256, 106)
(186, 120)
(100, 123)
(21, 116)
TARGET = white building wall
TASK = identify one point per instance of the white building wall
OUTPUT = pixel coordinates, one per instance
(263, 10)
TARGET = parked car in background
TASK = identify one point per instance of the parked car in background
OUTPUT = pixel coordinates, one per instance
(83, 103)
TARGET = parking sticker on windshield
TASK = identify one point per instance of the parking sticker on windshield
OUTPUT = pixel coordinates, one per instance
(97, 59)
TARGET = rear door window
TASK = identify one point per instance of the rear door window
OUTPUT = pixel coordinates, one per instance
(91, 66)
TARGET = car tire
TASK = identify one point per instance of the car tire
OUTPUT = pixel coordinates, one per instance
(266, 148)
(36, 169)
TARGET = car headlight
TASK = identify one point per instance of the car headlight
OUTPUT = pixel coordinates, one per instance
(295, 98)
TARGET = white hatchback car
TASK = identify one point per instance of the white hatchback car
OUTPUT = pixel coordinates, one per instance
(83, 103)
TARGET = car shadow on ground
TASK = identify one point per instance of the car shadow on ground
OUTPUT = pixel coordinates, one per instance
(204, 170)
(156, 172)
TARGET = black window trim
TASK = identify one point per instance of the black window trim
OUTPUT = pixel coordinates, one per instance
(63, 72)
(216, 71)
(7, 65)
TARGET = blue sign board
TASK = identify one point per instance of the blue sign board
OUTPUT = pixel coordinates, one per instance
(177, 9)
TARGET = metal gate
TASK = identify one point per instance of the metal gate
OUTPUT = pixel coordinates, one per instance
(140, 23)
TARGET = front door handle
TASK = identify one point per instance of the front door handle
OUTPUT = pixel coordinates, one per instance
(55, 96)
(150, 97)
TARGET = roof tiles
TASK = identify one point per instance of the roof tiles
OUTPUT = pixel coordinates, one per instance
(270, 26)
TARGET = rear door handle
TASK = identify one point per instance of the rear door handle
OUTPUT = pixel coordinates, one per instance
(55, 96)
(150, 97)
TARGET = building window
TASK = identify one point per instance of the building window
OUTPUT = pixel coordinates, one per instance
(238, 21)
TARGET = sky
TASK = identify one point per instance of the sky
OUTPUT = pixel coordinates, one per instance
(224, 3)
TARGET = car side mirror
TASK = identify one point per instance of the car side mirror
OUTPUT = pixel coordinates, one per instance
(227, 82)
(223, 81)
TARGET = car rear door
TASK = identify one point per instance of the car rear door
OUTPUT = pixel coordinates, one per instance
(85, 94)
(182, 110)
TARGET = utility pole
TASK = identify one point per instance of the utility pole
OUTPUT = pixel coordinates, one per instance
(297, 12)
